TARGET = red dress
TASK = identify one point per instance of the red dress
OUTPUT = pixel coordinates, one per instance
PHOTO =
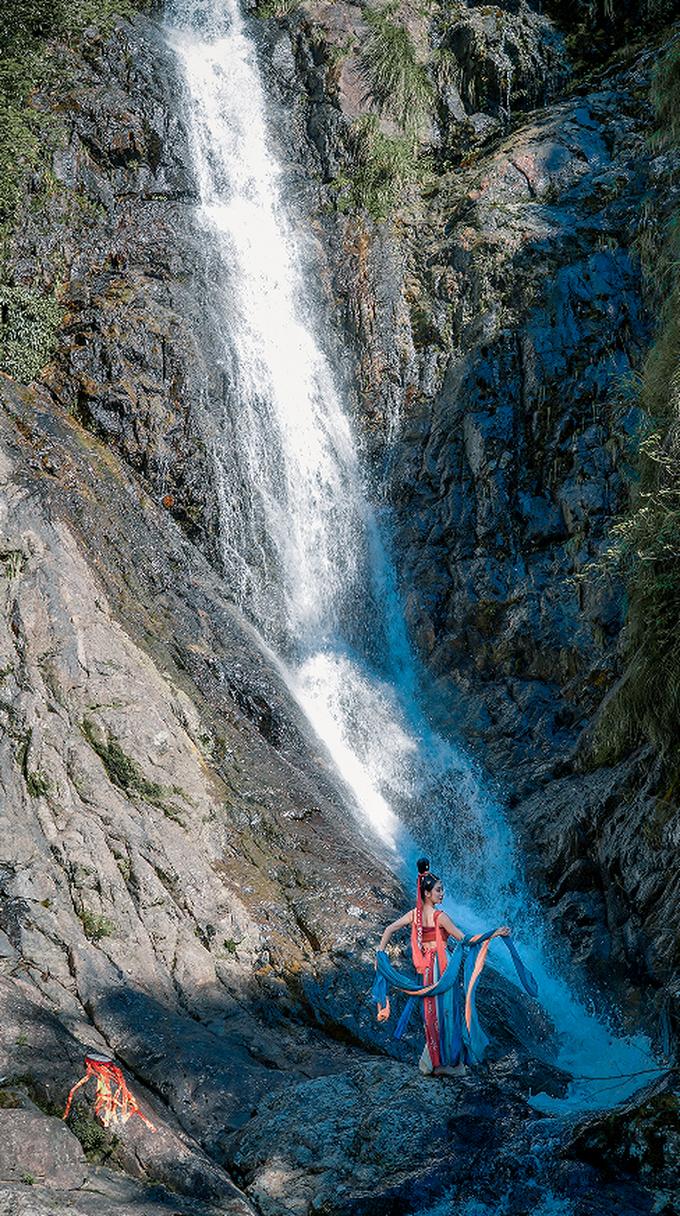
(434, 939)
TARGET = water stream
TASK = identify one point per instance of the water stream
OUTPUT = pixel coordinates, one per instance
(305, 552)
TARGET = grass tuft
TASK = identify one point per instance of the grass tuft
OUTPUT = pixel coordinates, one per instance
(382, 168)
(396, 83)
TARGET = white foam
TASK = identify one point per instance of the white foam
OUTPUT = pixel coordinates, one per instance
(302, 547)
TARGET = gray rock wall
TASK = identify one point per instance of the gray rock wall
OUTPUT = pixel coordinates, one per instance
(496, 325)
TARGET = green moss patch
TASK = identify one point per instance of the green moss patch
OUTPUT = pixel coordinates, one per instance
(125, 772)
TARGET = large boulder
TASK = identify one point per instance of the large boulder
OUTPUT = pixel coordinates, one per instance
(35, 1148)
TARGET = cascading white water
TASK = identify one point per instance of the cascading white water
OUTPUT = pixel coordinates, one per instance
(301, 544)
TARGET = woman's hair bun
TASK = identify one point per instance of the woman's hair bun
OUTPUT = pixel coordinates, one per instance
(423, 865)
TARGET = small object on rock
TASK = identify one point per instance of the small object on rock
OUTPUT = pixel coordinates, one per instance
(113, 1102)
(168, 501)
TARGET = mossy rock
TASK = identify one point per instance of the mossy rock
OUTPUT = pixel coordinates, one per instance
(125, 772)
(642, 1141)
(29, 321)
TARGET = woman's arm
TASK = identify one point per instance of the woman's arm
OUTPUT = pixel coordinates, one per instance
(450, 928)
(454, 931)
(396, 924)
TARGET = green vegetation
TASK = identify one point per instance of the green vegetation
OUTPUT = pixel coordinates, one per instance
(596, 27)
(30, 36)
(28, 1179)
(124, 772)
(38, 784)
(96, 926)
(397, 84)
(27, 34)
(121, 769)
(381, 168)
(646, 550)
(29, 321)
(37, 1091)
(12, 562)
(9, 1100)
(98, 1143)
(274, 8)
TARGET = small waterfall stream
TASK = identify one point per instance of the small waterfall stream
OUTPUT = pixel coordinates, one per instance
(304, 550)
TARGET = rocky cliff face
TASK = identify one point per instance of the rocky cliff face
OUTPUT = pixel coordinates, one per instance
(180, 881)
(498, 322)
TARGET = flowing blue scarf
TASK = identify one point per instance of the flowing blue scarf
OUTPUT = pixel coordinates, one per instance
(464, 1039)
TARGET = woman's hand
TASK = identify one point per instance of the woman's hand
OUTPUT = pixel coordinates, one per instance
(504, 931)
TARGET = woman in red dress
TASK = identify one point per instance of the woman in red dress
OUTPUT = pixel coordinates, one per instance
(442, 1015)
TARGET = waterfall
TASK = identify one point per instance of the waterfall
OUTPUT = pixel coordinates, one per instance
(302, 546)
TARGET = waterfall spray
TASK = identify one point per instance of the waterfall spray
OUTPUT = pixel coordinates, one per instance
(301, 545)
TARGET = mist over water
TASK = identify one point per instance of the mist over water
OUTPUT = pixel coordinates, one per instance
(302, 546)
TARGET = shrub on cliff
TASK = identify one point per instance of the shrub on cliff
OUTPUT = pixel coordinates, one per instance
(646, 706)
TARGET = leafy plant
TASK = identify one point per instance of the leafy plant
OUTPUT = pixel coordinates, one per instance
(29, 320)
(96, 926)
(98, 1143)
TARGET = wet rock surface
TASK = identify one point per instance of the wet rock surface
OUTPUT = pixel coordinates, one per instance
(233, 992)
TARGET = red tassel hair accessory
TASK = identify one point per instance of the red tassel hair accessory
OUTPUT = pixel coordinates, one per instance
(419, 959)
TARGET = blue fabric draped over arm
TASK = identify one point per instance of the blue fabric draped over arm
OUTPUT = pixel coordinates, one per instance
(387, 975)
(466, 1035)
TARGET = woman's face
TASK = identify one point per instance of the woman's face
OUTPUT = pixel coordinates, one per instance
(437, 893)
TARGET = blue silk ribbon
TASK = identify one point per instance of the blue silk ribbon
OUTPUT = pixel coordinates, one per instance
(458, 1042)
